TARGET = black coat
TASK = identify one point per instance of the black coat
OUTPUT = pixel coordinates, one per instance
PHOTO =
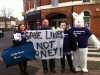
(73, 41)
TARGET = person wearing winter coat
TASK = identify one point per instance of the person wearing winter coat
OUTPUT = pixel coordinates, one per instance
(69, 45)
(19, 39)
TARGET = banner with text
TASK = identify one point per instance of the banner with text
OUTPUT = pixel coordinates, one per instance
(47, 43)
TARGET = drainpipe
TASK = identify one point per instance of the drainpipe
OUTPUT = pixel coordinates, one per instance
(72, 12)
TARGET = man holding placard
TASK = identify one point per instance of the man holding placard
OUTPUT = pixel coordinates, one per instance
(48, 45)
(45, 26)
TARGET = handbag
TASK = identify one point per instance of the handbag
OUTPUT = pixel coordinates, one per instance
(17, 54)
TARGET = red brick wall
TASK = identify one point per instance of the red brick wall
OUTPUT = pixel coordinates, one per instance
(68, 0)
(63, 10)
(95, 15)
(38, 2)
(31, 4)
(25, 5)
(45, 2)
(64, 1)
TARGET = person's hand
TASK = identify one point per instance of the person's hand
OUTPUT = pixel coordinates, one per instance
(98, 47)
(20, 39)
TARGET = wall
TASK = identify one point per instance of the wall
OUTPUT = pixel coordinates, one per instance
(92, 8)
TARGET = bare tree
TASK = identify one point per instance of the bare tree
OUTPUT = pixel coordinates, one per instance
(5, 13)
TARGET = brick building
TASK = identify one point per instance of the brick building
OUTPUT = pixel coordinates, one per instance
(61, 10)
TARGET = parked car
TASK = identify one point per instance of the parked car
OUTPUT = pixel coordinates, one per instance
(1, 33)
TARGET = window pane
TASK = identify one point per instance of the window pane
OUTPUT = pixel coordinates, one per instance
(86, 19)
(35, 4)
(86, 0)
(55, 2)
(86, 13)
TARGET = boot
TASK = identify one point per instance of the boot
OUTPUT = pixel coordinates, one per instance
(45, 71)
(84, 70)
(62, 70)
(52, 70)
(73, 70)
(77, 69)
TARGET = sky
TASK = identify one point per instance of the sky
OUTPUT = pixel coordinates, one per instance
(15, 6)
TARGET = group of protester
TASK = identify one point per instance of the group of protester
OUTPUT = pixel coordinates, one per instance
(75, 45)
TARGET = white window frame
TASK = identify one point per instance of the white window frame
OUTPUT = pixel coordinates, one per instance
(35, 4)
(89, 22)
(54, 2)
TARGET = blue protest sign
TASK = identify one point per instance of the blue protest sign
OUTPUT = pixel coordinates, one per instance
(15, 55)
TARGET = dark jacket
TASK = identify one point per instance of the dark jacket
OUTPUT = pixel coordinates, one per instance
(73, 41)
(45, 28)
(70, 42)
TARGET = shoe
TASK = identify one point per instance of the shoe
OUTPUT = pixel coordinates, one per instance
(63, 70)
(26, 73)
(21, 73)
(53, 71)
(77, 69)
(84, 70)
(73, 70)
(45, 71)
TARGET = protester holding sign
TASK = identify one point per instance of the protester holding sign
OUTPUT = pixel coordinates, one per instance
(45, 26)
(20, 38)
(67, 47)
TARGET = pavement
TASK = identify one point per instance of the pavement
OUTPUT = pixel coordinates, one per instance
(6, 42)
(68, 73)
(35, 67)
(14, 70)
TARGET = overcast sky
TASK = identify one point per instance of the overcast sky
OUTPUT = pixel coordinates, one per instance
(16, 7)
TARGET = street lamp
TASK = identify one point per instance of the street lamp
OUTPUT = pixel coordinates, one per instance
(72, 12)
(40, 10)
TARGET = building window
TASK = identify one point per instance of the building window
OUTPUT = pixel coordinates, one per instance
(86, 0)
(54, 2)
(35, 4)
(87, 19)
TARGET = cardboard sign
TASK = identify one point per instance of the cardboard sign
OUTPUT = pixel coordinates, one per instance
(47, 43)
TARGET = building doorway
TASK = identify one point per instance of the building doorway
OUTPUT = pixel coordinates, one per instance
(56, 19)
